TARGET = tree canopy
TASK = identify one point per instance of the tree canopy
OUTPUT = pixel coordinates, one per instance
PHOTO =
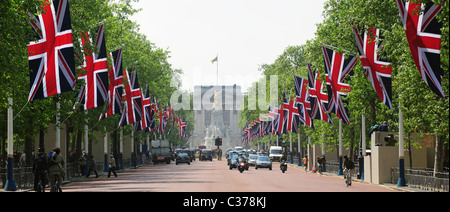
(15, 34)
(423, 110)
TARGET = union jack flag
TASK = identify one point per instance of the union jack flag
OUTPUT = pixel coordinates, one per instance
(132, 105)
(182, 126)
(95, 69)
(115, 90)
(143, 124)
(378, 72)
(272, 119)
(336, 69)
(317, 98)
(292, 115)
(162, 120)
(303, 102)
(146, 107)
(51, 58)
(423, 32)
(153, 111)
(281, 125)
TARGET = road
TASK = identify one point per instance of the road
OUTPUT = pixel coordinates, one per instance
(216, 177)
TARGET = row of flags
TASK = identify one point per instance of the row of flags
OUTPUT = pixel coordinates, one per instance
(52, 64)
(424, 37)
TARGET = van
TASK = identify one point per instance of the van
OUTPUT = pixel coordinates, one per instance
(275, 153)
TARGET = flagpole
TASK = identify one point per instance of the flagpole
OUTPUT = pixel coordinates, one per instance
(10, 184)
(340, 171)
(401, 179)
(217, 69)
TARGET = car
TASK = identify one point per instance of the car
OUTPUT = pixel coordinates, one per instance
(190, 153)
(230, 155)
(263, 162)
(183, 158)
(232, 163)
(252, 159)
(206, 154)
(262, 154)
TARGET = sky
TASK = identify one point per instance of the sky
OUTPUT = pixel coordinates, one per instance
(244, 34)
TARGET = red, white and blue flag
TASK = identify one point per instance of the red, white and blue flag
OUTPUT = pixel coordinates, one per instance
(292, 116)
(337, 67)
(317, 98)
(378, 72)
(152, 116)
(303, 102)
(162, 120)
(95, 73)
(132, 101)
(281, 127)
(146, 107)
(115, 91)
(51, 57)
(182, 126)
(423, 32)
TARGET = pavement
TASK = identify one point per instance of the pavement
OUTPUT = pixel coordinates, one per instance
(387, 185)
(294, 166)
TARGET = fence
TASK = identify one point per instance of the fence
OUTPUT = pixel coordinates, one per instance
(423, 179)
(24, 178)
(333, 167)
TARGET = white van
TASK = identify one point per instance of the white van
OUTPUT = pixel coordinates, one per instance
(275, 153)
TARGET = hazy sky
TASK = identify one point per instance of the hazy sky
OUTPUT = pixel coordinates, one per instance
(244, 33)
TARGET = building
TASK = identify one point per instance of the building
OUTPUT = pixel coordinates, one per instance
(210, 101)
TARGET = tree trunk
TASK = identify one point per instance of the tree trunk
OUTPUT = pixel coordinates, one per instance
(438, 158)
(28, 150)
(79, 143)
(352, 137)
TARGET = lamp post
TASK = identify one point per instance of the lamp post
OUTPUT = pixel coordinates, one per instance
(10, 184)
(401, 152)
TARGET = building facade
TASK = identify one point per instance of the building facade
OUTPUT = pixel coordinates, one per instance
(210, 102)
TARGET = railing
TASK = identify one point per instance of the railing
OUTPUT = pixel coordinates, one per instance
(423, 179)
(333, 167)
(24, 178)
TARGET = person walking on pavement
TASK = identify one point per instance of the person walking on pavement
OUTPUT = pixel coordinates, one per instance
(82, 164)
(319, 165)
(40, 171)
(348, 167)
(55, 169)
(112, 166)
(305, 162)
(92, 167)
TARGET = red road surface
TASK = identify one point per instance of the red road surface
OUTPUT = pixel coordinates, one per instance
(216, 177)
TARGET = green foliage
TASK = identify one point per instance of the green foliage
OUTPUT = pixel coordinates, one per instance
(15, 34)
(423, 110)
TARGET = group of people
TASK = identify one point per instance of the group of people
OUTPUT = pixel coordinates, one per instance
(51, 165)
(347, 165)
(50, 169)
(320, 163)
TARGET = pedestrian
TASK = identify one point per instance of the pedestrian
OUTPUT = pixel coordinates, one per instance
(348, 167)
(112, 166)
(305, 162)
(23, 160)
(383, 127)
(55, 165)
(319, 165)
(40, 171)
(92, 167)
(82, 164)
(324, 161)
